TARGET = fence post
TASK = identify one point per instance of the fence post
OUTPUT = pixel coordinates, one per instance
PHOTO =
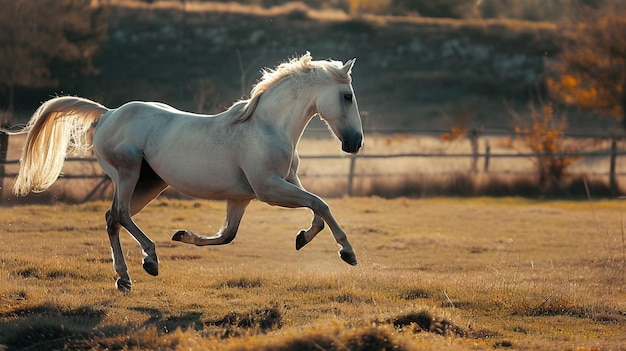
(351, 174)
(487, 155)
(4, 148)
(473, 137)
(612, 179)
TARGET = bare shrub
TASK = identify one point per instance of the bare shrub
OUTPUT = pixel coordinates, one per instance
(543, 133)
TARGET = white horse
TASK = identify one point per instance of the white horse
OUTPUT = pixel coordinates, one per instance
(246, 152)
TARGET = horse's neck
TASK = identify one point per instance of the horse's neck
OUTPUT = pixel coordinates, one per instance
(287, 111)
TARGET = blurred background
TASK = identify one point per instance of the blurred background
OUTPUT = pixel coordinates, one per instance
(457, 84)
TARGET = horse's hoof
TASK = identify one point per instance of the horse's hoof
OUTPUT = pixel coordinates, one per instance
(178, 236)
(151, 266)
(300, 240)
(348, 257)
(123, 285)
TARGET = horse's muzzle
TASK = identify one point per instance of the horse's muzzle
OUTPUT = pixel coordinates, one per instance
(352, 142)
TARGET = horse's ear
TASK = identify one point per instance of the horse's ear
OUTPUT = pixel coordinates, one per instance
(347, 68)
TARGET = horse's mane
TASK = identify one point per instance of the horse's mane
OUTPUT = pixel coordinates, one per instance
(302, 67)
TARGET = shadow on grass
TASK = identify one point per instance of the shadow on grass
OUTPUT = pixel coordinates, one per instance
(47, 327)
(263, 319)
(185, 321)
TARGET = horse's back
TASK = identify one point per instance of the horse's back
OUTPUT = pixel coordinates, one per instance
(196, 154)
(137, 121)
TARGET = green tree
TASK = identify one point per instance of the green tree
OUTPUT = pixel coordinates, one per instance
(590, 72)
(42, 41)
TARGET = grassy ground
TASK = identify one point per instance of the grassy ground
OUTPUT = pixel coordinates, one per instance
(449, 273)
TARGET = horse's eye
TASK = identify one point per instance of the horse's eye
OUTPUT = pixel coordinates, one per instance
(347, 97)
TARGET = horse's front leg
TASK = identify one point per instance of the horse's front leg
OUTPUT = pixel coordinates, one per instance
(305, 236)
(277, 191)
(234, 213)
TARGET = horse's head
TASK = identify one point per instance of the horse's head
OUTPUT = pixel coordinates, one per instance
(336, 104)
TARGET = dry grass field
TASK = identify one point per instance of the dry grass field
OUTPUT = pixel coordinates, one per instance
(458, 274)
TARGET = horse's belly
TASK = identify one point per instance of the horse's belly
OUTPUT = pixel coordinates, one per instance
(209, 182)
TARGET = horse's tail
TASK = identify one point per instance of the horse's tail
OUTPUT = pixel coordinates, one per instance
(58, 126)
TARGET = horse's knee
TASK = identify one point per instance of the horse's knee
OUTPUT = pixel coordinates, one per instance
(113, 223)
(320, 208)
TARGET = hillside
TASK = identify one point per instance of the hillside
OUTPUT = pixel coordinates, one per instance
(410, 72)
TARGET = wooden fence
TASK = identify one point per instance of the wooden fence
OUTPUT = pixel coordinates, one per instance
(475, 156)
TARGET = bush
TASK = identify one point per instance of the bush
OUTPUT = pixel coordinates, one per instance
(543, 133)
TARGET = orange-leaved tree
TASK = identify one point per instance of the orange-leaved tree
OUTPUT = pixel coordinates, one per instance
(590, 72)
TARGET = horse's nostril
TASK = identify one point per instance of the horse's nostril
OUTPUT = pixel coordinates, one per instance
(359, 142)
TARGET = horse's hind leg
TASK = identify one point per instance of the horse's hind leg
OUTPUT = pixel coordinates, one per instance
(234, 213)
(148, 187)
(123, 283)
(132, 175)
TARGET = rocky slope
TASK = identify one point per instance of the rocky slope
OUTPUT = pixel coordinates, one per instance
(415, 73)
